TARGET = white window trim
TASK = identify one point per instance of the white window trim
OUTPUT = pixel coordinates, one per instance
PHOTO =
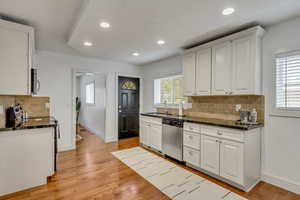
(91, 104)
(162, 105)
(281, 112)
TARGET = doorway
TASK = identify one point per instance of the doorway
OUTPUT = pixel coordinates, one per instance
(90, 92)
(128, 107)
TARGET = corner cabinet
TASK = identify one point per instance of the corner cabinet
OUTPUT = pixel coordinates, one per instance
(227, 66)
(16, 50)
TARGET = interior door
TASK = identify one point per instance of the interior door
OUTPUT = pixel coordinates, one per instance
(221, 69)
(210, 149)
(231, 161)
(128, 107)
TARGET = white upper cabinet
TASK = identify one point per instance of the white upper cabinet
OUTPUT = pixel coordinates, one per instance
(245, 63)
(16, 44)
(232, 67)
(221, 69)
(203, 72)
(189, 68)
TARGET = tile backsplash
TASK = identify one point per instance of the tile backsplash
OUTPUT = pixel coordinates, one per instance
(222, 107)
(34, 106)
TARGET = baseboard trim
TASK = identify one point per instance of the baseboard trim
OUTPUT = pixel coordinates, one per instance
(281, 182)
(68, 148)
(108, 140)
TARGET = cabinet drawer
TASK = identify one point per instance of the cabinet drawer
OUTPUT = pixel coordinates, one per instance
(191, 156)
(191, 127)
(209, 130)
(153, 120)
(231, 134)
(222, 133)
(191, 139)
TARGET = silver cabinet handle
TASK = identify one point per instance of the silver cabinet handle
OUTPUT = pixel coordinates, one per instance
(220, 133)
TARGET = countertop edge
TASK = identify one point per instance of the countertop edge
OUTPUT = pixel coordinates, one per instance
(245, 128)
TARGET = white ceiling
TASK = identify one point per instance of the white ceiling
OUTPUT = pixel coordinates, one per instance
(136, 25)
(52, 20)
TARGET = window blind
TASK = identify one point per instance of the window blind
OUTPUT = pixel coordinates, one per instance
(288, 81)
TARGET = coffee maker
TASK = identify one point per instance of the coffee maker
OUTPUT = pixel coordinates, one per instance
(14, 116)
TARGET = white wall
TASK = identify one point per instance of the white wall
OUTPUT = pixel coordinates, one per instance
(159, 69)
(55, 73)
(78, 88)
(281, 135)
(92, 117)
(281, 160)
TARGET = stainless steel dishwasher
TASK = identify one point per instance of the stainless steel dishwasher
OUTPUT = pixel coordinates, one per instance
(172, 138)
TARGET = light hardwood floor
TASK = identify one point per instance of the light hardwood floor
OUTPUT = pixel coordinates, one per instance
(92, 172)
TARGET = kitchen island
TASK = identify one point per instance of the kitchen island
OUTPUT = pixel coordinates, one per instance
(27, 154)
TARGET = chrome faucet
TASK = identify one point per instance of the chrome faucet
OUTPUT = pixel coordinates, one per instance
(166, 107)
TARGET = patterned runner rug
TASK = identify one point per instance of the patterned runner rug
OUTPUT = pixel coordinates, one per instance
(174, 181)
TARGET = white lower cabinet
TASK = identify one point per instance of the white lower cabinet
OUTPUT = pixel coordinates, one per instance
(155, 136)
(191, 156)
(227, 154)
(144, 133)
(231, 161)
(191, 140)
(151, 132)
(210, 151)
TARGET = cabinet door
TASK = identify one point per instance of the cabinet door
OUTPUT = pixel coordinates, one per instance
(243, 66)
(221, 69)
(210, 149)
(14, 61)
(155, 136)
(188, 69)
(144, 136)
(203, 72)
(231, 161)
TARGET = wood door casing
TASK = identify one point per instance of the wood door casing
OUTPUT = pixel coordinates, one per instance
(128, 107)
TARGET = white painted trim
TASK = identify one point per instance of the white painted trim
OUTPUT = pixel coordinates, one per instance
(281, 182)
(67, 148)
(117, 95)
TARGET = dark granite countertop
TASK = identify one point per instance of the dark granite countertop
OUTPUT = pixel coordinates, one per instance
(208, 121)
(33, 123)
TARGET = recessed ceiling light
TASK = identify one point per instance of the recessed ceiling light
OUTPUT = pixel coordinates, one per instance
(87, 44)
(228, 11)
(161, 42)
(135, 54)
(104, 24)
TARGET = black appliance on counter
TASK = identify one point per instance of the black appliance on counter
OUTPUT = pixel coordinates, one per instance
(14, 116)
